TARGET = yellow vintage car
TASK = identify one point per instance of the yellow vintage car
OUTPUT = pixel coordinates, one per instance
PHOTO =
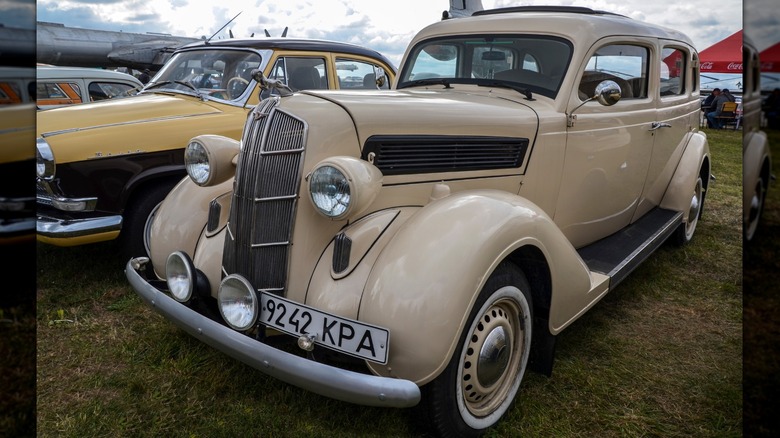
(103, 167)
(426, 244)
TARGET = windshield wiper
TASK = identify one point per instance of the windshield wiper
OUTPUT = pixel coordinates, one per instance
(497, 83)
(428, 81)
(186, 84)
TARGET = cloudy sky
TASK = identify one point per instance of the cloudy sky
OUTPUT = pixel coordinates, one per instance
(386, 26)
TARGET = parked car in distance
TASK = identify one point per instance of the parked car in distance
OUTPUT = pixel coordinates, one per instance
(104, 167)
(17, 85)
(426, 244)
(756, 154)
(59, 86)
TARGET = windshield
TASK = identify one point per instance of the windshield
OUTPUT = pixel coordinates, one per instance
(536, 63)
(221, 74)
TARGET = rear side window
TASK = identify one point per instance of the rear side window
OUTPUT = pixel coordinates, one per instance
(673, 70)
(58, 93)
(353, 74)
(107, 90)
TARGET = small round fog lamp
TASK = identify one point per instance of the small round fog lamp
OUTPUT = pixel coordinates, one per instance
(179, 274)
(238, 302)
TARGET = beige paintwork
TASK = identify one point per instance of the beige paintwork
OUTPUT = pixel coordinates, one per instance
(428, 242)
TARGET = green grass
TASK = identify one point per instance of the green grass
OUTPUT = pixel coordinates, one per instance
(661, 355)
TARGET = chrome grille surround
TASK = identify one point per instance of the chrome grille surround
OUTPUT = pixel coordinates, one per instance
(265, 196)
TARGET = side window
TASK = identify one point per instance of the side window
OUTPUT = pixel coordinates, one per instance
(62, 92)
(673, 68)
(9, 93)
(353, 74)
(306, 73)
(625, 64)
(107, 90)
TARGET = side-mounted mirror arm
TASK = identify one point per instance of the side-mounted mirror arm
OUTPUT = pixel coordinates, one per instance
(607, 93)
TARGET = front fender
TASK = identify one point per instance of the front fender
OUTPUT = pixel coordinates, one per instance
(425, 281)
(181, 219)
(694, 161)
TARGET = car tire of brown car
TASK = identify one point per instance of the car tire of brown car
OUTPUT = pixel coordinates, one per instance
(136, 216)
(484, 389)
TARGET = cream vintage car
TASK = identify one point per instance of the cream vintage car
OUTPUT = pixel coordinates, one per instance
(426, 244)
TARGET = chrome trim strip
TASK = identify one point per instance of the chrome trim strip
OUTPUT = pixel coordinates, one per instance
(62, 203)
(134, 122)
(266, 245)
(58, 228)
(276, 198)
(329, 381)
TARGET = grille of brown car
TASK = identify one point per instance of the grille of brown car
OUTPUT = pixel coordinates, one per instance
(264, 198)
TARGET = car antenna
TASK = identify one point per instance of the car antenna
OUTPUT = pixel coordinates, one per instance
(220, 29)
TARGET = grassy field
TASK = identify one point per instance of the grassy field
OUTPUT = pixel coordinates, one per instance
(661, 355)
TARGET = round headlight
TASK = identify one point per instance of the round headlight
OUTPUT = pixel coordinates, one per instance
(237, 302)
(196, 160)
(330, 191)
(44, 160)
(180, 276)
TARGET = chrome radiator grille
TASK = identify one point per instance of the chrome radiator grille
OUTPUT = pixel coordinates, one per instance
(264, 198)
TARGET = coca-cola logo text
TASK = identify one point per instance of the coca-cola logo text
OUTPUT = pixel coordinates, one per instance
(734, 66)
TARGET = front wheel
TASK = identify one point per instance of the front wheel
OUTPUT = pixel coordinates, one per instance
(136, 226)
(482, 378)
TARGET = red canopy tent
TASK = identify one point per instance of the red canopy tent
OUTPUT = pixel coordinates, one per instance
(724, 56)
(770, 59)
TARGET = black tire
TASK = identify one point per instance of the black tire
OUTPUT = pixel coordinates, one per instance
(479, 384)
(134, 236)
(750, 227)
(684, 233)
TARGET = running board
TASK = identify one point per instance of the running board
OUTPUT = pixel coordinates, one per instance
(619, 254)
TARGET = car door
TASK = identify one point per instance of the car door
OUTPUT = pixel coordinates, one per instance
(608, 148)
(675, 86)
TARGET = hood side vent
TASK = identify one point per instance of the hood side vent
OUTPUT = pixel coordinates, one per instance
(407, 155)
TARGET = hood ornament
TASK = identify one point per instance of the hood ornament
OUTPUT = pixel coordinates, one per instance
(271, 84)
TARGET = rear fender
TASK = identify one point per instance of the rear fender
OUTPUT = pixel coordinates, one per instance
(755, 160)
(426, 279)
(693, 163)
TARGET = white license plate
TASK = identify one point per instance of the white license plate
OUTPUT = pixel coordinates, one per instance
(345, 335)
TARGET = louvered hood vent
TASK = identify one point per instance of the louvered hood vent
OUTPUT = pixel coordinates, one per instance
(404, 155)
(265, 194)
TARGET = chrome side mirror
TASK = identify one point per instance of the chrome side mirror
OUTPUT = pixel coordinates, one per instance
(608, 93)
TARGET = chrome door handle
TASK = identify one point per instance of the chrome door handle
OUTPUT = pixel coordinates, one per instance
(657, 125)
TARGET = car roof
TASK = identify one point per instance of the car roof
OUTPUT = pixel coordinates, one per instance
(579, 24)
(58, 72)
(290, 44)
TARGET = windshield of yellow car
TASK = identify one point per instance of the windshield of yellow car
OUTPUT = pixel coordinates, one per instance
(219, 74)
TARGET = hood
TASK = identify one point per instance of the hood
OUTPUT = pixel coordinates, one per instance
(437, 112)
(128, 110)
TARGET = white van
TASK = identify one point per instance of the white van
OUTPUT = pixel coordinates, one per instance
(60, 86)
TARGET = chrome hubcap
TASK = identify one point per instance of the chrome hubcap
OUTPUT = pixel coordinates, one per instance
(492, 357)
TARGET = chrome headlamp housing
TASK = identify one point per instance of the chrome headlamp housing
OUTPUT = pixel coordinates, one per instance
(343, 187)
(238, 302)
(180, 276)
(211, 159)
(44, 160)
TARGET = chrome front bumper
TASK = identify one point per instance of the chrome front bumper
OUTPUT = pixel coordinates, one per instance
(329, 381)
(62, 228)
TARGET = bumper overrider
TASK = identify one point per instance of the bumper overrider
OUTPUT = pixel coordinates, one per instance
(326, 380)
